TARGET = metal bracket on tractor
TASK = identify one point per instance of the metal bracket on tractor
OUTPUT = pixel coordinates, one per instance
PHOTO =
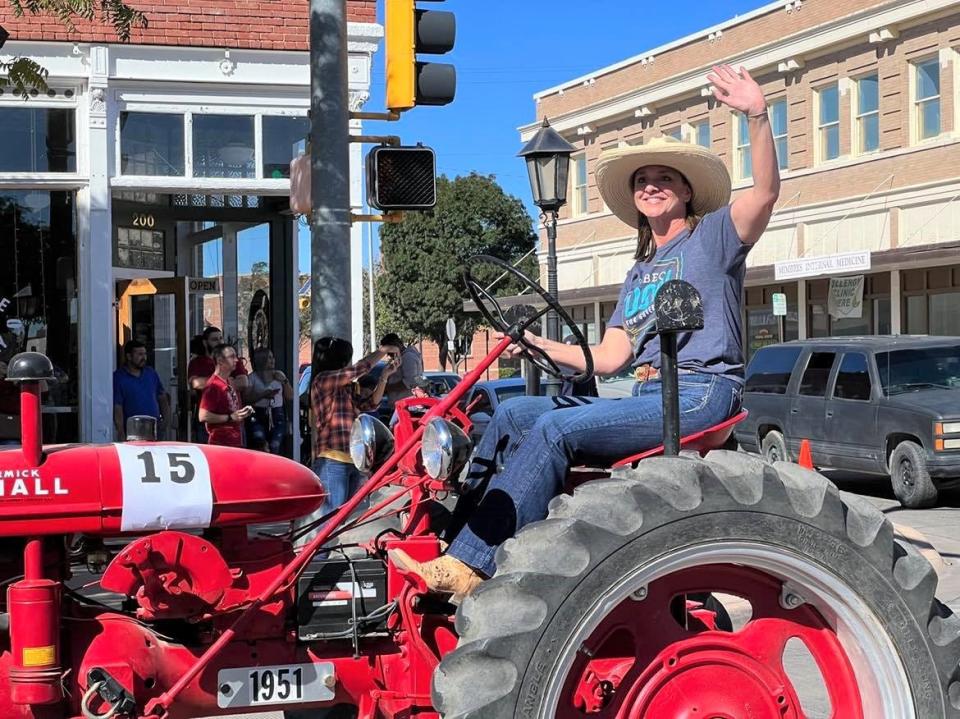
(677, 308)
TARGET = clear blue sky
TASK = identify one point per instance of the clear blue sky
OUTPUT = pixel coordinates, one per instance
(508, 50)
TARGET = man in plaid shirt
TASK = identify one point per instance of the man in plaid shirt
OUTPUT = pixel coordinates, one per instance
(336, 401)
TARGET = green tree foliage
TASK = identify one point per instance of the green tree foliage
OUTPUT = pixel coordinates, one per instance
(423, 256)
(24, 74)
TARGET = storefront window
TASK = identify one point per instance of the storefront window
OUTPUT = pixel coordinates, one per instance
(283, 139)
(223, 146)
(141, 248)
(38, 304)
(916, 315)
(38, 139)
(945, 314)
(763, 327)
(819, 323)
(151, 143)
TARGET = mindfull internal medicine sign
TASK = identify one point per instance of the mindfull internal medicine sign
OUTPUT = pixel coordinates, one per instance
(845, 263)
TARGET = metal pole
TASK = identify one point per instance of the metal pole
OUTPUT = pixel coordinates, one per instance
(330, 171)
(532, 377)
(553, 322)
(373, 313)
(670, 393)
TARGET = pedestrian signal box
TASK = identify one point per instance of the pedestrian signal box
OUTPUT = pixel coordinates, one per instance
(402, 178)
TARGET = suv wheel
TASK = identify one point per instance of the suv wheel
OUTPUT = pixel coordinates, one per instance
(773, 447)
(908, 474)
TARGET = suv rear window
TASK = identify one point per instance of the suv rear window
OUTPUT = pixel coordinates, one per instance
(769, 370)
(853, 377)
(815, 376)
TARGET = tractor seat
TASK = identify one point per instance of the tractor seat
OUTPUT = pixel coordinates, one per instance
(704, 441)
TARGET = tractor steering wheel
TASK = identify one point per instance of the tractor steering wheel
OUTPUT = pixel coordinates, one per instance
(493, 313)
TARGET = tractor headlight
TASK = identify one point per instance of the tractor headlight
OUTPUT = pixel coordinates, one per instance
(445, 449)
(371, 443)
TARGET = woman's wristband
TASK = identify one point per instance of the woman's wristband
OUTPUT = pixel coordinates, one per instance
(758, 115)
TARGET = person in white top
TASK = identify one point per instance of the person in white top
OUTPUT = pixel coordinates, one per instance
(269, 392)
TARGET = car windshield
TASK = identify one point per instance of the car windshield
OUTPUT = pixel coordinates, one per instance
(628, 373)
(518, 390)
(915, 369)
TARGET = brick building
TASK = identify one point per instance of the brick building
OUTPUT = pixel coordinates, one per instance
(151, 179)
(863, 102)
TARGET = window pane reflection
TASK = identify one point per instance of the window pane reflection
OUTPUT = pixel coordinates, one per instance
(38, 139)
(223, 146)
(283, 137)
(38, 304)
(945, 314)
(151, 143)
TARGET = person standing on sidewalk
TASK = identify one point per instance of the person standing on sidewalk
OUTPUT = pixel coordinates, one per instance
(336, 401)
(220, 408)
(137, 390)
(201, 368)
(411, 367)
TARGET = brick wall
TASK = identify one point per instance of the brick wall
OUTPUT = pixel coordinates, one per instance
(483, 342)
(770, 28)
(849, 177)
(253, 24)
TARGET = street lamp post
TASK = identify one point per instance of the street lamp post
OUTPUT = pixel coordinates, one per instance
(547, 156)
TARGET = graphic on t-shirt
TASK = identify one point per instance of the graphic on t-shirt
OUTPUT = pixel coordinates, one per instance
(638, 308)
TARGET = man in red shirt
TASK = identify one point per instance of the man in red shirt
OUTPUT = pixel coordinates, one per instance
(202, 367)
(220, 406)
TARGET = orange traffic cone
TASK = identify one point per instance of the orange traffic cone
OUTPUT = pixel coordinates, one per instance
(806, 456)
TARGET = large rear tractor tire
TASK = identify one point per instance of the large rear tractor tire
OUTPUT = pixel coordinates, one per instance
(833, 617)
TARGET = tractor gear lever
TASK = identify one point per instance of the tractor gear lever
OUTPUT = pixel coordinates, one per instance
(678, 308)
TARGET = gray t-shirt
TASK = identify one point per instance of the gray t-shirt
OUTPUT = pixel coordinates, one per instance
(711, 258)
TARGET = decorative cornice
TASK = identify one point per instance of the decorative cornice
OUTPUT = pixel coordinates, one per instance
(813, 41)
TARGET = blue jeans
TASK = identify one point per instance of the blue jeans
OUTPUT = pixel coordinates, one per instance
(532, 441)
(267, 429)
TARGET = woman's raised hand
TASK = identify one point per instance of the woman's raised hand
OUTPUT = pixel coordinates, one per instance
(737, 90)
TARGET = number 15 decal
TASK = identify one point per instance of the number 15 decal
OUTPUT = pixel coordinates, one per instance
(165, 487)
(182, 470)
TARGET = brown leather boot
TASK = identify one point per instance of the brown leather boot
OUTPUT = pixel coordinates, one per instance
(443, 575)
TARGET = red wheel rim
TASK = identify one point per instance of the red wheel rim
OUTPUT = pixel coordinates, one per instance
(640, 663)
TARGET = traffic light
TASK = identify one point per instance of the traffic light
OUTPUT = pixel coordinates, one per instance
(401, 178)
(411, 31)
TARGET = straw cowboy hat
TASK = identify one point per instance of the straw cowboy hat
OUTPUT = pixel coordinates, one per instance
(706, 173)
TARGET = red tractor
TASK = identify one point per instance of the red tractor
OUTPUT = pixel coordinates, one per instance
(613, 607)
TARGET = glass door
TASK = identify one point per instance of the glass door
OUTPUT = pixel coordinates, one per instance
(154, 311)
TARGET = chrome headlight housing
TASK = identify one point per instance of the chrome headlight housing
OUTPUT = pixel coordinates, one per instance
(371, 443)
(445, 449)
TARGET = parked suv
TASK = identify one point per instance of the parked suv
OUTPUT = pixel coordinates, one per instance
(886, 405)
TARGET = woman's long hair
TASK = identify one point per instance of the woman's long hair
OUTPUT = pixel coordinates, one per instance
(646, 245)
(330, 354)
(260, 357)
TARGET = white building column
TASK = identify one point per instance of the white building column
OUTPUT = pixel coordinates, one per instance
(95, 258)
(896, 302)
(803, 332)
